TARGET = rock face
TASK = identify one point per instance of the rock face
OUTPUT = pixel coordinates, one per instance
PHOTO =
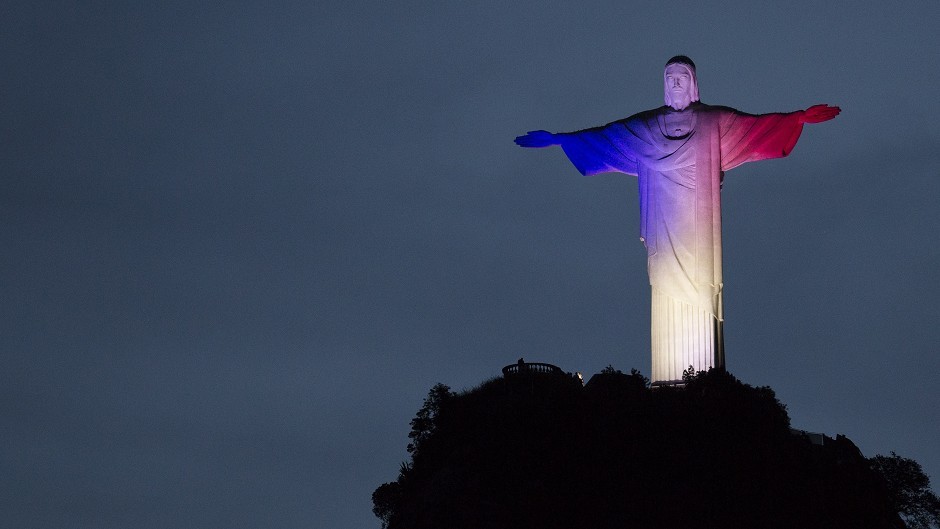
(543, 451)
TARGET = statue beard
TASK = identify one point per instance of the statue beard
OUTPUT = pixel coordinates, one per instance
(678, 100)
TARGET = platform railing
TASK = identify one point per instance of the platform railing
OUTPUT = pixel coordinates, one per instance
(520, 368)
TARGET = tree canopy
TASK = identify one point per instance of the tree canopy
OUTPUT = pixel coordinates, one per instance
(543, 450)
(909, 490)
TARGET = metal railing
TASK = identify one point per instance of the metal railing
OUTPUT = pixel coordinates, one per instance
(520, 368)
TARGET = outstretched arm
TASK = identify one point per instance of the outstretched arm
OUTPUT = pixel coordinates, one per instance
(611, 148)
(538, 139)
(748, 138)
(819, 113)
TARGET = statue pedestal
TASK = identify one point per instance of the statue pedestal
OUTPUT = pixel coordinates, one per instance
(683, 336)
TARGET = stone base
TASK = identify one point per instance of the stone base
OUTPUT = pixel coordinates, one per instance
(683, 335)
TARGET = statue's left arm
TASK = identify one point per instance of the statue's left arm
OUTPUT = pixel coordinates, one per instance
(748, 138)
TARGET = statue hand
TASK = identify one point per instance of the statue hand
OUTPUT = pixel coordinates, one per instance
(819, 113)
(537, 138)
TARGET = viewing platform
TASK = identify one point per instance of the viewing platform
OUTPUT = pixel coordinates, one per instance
(526, 368)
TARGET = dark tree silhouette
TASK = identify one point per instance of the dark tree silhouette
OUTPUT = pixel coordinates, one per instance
(541, 450)
(909, 489)
(385, 501)
(424, 423)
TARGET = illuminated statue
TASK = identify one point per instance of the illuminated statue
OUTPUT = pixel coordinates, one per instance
(679, 152)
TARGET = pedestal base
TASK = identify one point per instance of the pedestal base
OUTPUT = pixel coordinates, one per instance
(682, 336)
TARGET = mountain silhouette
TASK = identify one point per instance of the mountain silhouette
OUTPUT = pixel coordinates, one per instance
(536, 448)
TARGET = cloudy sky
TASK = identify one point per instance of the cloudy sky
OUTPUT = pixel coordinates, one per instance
(243, 239)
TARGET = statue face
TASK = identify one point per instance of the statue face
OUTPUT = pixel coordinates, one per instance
(679, 86)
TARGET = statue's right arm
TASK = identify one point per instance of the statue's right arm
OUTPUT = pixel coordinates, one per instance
(592, 151)
(538, 139)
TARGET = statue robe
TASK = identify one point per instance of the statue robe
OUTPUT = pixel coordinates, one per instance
(680, 206)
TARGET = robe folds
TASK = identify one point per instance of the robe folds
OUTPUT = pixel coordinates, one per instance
(679, 182)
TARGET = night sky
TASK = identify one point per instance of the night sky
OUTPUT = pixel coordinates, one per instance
(242, 240)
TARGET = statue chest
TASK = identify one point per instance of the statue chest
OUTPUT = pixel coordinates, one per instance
(677, 124)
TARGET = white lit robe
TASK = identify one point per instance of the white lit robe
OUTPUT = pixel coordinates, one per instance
(680, 206)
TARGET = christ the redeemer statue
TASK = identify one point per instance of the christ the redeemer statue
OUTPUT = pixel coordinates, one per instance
(679, 153)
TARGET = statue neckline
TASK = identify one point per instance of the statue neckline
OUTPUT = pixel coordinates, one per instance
(661, 121)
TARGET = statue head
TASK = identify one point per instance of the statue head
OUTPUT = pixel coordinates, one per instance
(679, 82)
